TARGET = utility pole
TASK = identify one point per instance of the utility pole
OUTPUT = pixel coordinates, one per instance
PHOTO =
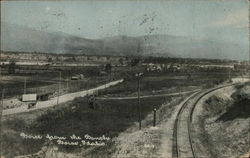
(249, 45)
(37, 84)
(2, 99)
(0, 65)
(1, 111)
(138, 75)
(139, 102)
(67, 85)
(59, 87)
(24, 86)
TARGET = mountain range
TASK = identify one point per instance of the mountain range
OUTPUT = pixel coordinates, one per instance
(24, 39)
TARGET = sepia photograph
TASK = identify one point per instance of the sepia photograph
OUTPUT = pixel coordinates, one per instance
(125, 79)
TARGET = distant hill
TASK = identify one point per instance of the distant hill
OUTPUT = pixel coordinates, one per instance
(177, 46)
(19, 38)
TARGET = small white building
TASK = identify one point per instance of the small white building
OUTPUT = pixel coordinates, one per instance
(29, 97)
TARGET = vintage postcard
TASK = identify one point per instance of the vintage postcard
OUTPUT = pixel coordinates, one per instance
(125, 79)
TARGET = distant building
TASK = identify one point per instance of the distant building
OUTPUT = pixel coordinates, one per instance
(29, 97)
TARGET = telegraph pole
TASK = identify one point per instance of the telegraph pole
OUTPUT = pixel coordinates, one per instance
(0, 65)
(2, 98)
(37, 84)
(1, 111)
(139, 102)
(138, 75)
(24, 86)
(59, 87)
(67, 85)
(1, 108)
(248, 67)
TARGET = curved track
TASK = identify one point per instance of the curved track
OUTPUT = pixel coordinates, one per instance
(182, 139)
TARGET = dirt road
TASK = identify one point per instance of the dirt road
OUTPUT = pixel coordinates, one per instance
(62, 99)
(149, 96)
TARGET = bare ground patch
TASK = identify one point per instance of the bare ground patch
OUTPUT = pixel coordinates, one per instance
(223, 123)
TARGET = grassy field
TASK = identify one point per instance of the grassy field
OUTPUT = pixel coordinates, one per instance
(164, 83)
(46, 83)
(110, 117)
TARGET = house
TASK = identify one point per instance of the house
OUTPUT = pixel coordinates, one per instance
(29, 97)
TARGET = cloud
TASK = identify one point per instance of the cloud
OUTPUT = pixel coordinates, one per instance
(237, 19)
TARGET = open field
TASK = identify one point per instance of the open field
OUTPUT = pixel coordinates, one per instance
(43, 83)
(161, 83)
(156, 82)
(109, 117)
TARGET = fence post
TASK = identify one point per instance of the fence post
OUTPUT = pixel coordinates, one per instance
(154, 123)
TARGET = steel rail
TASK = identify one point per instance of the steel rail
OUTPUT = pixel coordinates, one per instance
(175, 146)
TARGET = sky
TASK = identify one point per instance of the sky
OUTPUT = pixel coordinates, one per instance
(223, 20)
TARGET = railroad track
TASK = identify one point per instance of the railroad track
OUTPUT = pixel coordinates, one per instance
(182, 138)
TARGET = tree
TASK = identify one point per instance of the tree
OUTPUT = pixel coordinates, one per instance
(12, 67)
(49, 59)
(121, 61)
(134, 62)
(108, 69)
